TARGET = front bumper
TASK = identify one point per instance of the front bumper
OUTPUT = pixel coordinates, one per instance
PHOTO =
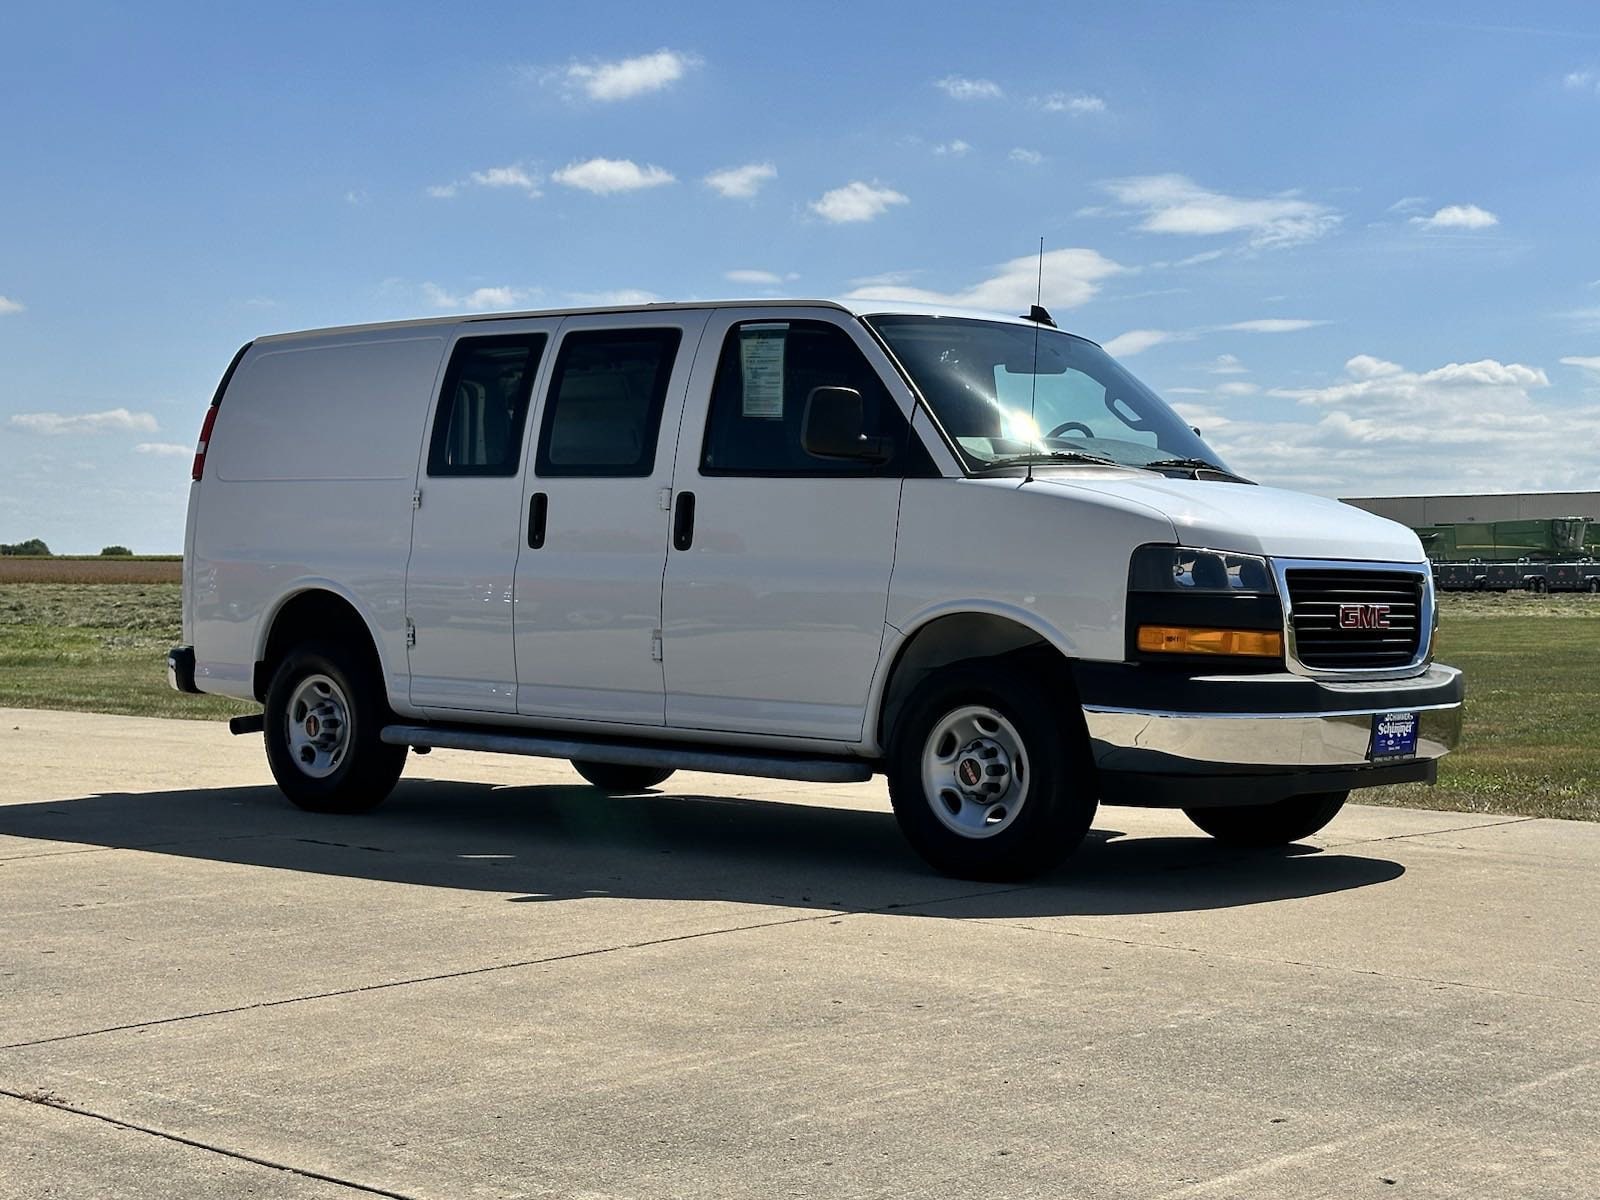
(1167, 740)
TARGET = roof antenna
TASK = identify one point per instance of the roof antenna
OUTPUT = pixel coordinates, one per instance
(1039, 317)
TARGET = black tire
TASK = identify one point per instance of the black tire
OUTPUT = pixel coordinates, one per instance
(366, 768)
(1060, 796)
(614, 777)
(1261, 825)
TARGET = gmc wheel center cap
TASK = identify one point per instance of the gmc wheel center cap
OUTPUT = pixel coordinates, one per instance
(970, 772)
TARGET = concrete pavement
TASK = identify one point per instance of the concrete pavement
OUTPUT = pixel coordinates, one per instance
(502, 984)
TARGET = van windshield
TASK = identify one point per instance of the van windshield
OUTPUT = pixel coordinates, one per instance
(981, 381)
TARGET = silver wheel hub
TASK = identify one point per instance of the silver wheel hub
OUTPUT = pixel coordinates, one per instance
(318, 726)
(975, 771)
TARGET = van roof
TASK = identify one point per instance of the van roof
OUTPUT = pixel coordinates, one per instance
(855, 307)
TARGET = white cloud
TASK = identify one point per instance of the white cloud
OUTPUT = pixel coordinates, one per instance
(958, 88)
(512, 175)
(740, 183)
(1021, 154)
(1458, 216)
(1474, 426)
(1365, 366)
(884, 279)
(1136, 340)
(616, 298)
(357, 198)
(1588, 363)
(1228, 364)
(602, 176)
(478, 300)
(1271, 325)
(1237, 387)
(114, 420)
(954, 149)
(164, 449)
(9, 306)
(856, 201)
(1079, 105)
(1582, 81)
(766, 278)
(1408, 204)
(1071, 278)
(1176, 204)
(630, 77)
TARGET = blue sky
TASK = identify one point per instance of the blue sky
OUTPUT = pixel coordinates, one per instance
(1357, 243)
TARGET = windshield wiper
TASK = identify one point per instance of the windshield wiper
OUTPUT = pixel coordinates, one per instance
(1191, 464)
(1077, 456)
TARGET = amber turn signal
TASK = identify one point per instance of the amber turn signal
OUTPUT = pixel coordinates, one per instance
(1177, 639)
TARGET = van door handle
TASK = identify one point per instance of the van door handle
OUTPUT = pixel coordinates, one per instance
(538, 509)
(683, 522)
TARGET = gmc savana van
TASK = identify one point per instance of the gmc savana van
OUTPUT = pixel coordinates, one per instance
(795, 539)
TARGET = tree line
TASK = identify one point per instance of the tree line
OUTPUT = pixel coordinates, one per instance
(35, 548)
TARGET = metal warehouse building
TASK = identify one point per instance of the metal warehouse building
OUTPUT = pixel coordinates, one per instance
(1508, 506)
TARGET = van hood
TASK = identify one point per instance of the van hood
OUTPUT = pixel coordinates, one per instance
(1248, 519)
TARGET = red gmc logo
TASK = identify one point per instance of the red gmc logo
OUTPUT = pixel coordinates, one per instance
(1363, 616)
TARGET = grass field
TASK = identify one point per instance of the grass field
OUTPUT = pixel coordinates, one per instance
(1532, 662)
(95, 647)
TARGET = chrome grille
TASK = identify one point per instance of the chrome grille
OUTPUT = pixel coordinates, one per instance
(1320, 642)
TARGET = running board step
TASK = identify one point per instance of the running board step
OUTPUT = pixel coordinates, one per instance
(699, 758)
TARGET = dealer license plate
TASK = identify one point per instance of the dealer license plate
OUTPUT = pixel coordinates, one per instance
(1394, 737)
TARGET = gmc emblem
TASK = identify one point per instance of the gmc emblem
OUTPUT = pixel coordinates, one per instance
(1363, 616)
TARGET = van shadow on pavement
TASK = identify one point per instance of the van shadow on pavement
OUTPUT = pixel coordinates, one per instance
(551, 843)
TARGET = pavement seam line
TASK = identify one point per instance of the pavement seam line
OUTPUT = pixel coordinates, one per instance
(1400, 837)
(1306, 964)
(489, 970)
(234, 837)
(180, 1139)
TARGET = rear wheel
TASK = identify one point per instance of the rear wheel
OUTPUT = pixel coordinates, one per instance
(990, 773)
(614, 777)
(1269, 824)
(325, 710)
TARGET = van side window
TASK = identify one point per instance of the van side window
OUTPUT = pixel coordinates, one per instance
(758, 401)
(477, 428)
(605, 399)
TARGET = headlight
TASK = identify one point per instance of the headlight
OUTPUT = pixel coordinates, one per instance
(1181, 569)
(1190, 603)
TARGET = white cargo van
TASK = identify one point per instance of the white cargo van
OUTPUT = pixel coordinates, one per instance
(797, 539)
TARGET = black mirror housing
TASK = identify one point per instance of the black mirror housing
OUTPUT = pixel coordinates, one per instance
(834, 426)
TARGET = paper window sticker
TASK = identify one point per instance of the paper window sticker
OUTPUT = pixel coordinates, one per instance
(761, 370)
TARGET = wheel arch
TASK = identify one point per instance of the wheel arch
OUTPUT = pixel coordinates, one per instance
(963, 635)
(314, 608)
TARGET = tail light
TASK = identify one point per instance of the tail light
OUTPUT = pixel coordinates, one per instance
(199, 468)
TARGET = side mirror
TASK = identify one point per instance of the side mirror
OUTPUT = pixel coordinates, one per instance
(834, 426)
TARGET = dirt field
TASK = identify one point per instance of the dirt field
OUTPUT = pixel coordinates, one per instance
(91, 570)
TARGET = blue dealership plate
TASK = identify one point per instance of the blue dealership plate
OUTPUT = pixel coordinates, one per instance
(1394, 737)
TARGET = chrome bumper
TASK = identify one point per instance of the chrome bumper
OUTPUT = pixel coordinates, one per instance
(1179, 740)
(1128, 740)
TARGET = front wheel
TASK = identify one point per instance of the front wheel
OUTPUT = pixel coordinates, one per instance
(615, 777)
(325, 711)
(990, 772)
(1277, 824)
